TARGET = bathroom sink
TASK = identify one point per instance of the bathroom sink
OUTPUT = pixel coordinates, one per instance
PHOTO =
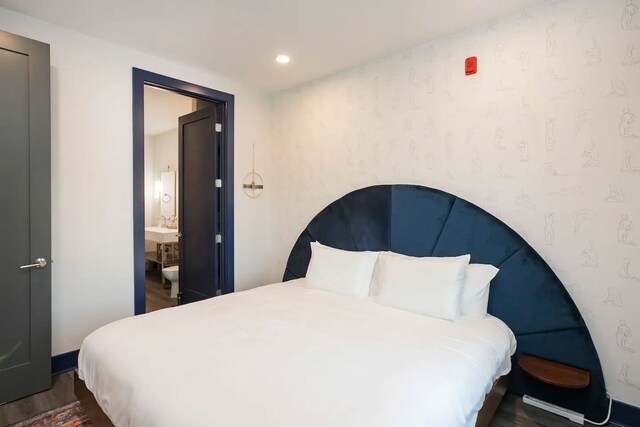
(161, 234)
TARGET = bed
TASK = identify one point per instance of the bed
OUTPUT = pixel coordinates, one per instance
(286, 355)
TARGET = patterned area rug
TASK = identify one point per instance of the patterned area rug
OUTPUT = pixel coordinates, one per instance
(69, 415)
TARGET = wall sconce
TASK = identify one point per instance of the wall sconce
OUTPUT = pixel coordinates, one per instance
(252, 183)
(157, 190)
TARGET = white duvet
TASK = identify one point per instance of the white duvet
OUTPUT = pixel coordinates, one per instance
(283, 355)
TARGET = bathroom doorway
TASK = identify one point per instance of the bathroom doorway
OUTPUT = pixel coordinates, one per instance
(183, 192)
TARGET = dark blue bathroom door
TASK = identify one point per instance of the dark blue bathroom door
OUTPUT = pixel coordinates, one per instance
(199, 205)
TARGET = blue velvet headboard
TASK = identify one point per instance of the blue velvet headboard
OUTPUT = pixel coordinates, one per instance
(526, 294)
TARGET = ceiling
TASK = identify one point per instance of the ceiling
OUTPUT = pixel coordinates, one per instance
(162, 109)
(240, 38)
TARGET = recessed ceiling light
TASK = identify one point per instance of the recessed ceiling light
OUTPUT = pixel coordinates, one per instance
(282, 59)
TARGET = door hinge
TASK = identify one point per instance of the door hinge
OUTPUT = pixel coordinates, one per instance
(218, 238)
(179, 298)
(218, 127)
(218, 183)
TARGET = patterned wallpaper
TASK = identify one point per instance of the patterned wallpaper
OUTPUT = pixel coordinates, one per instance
(546, 137)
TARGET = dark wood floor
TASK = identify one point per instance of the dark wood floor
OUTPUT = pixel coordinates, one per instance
(511, 413)
(157, 296)
(60, 394)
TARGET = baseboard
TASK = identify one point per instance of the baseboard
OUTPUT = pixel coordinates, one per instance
(64, 362)
(624, 415)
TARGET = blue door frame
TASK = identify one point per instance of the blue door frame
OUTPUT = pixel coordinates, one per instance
(140, 79)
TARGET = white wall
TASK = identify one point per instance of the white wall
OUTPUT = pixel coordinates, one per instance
(162, 109)
(149, 188)
(544, 137)
(165, 155)
(160, 152)
(92, 217)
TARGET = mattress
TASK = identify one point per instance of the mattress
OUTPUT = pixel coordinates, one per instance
(283, 355)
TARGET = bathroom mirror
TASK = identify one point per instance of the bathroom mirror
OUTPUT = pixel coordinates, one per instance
(168, 196)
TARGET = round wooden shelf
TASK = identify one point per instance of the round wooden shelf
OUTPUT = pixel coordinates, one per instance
(554, 373)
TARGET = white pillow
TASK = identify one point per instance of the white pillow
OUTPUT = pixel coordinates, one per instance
(375, 287)
(475, 292)
(341, 272)
(430, 285)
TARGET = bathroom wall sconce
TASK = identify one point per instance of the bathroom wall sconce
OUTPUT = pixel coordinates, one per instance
(157, 190)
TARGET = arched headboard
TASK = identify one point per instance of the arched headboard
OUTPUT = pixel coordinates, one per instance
(526, 294)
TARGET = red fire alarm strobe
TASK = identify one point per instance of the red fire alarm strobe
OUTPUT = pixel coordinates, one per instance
(471, 65)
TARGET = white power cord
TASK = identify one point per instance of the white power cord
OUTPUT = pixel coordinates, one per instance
(608, 414)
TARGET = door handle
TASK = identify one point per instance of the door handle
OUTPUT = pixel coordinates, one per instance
(40, 263)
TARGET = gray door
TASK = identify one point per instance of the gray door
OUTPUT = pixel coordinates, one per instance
(25, 223)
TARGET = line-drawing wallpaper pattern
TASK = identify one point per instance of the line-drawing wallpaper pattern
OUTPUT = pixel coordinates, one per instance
(546, 136)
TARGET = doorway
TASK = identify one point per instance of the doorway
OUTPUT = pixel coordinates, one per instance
(183, 191)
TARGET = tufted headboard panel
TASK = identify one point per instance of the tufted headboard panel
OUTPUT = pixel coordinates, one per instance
(526, 294)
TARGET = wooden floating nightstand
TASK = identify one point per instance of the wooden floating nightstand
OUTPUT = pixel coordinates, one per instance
(554, 373)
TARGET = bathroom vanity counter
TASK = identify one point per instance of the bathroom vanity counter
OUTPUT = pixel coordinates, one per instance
(161, 234)
(166, 242)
